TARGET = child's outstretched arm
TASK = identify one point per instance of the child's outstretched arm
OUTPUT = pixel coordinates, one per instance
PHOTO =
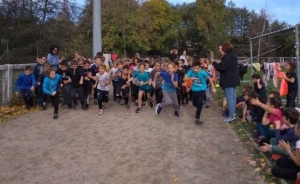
(290, 80)
(265, 119)
(96, 82)
(45, 88)
(33, 80)
(244, 112)
(175, 83)
(89, 75)
(265, 107)
(155, 78)
(213, 89)
(259, 86)
(129, 80)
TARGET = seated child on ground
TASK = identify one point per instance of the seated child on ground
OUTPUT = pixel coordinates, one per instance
(240, 102)
(288, 168)
(256, 113)
(273, 115)
(291, 116)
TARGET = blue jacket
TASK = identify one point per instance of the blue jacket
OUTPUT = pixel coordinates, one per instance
(53, 60)
(25, 82)
(289, 136)
(51, 85)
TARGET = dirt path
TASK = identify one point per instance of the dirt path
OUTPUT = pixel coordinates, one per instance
(121, 147)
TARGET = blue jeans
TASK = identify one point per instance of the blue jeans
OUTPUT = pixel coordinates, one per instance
(231, 100)
(263, 130)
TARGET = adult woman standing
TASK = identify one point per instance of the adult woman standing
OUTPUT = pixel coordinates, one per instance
(229, 77)
(52, 57)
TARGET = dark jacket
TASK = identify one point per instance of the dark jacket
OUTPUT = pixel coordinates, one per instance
(229, 70)
(257, 113)
(38, 71)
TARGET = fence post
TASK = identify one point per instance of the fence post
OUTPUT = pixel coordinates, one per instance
(7, 84)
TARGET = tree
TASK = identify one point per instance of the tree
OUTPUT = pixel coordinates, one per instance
(159, 26)
(210, 16)
(189, 38)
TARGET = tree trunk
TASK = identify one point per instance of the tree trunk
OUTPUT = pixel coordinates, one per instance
(45, 11)
(44, 18)
(259, 41)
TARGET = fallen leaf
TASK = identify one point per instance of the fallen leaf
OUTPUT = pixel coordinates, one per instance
(175, 179)
(257, 169)
(262, 160)
(251, 162)
(262, 165)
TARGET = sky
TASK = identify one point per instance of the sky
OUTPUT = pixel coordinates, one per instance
(282, 10)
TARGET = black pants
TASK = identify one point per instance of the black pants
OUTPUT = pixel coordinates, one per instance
(115, 86)
(290, 99)
(190, 95)
(286, 169)
(67, 94)
(102, 96)
(158, 94)
(125, 94)
(198, 97)
(135, 91)
(79, 91)
(54, 100)
(87, 87)
(41, 96)
(184, 94)
(27, 95)
(179, 95)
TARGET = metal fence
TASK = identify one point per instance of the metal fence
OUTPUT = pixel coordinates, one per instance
(266, 59)
(9, 74)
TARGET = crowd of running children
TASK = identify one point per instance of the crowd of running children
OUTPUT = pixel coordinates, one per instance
(277, 129)
(171, 83)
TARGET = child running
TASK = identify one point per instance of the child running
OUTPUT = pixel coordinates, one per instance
(181, 90)
(87, 83)
(76, 84)
(64, 72)
(50, 87)
(199, 86)
(169, 89)
(38, 71)
(123, 86)
(102, 82)
(113, 71)
(144, 86)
